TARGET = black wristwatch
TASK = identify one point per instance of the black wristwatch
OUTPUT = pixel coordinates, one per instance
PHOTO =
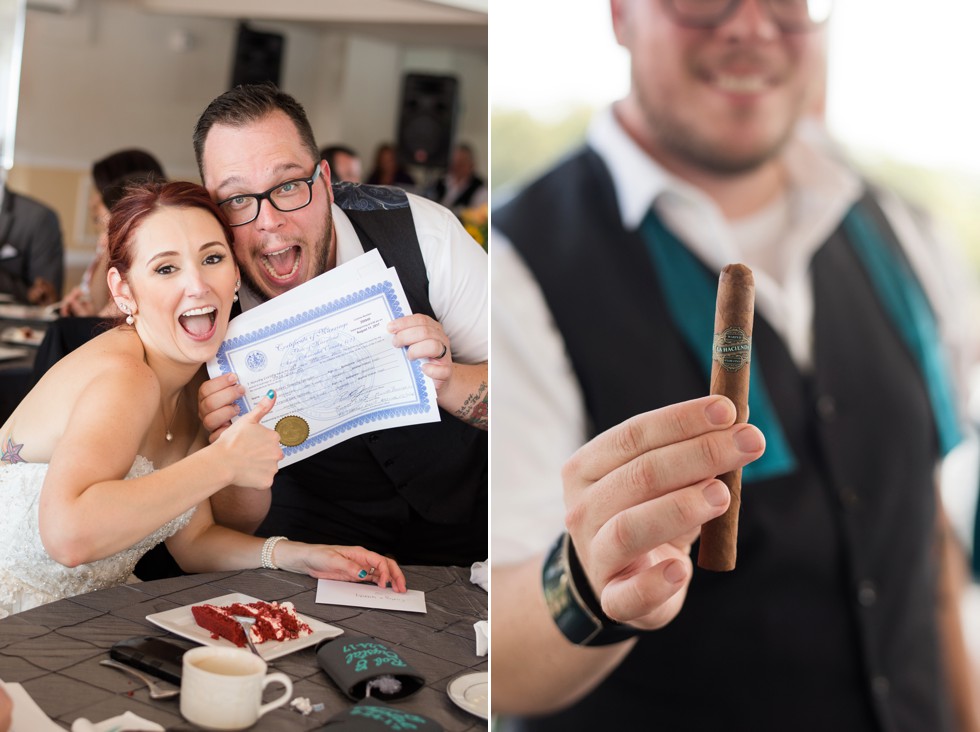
(572, 603)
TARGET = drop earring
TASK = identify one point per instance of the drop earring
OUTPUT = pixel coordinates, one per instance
(129, 316)
(238, 286)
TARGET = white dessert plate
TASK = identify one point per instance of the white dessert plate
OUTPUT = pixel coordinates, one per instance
(7, 353)
(471, 692)
(14, 311)
(23, 335)
(180, 621)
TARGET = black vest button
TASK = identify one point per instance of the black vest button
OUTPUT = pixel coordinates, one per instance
(880, 686)
(389, 462)
(827, 408)
(373, 437)
(867, 593)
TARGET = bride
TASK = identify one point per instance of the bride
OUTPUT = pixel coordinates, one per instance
(106, 458)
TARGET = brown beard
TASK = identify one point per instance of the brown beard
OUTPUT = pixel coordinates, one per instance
(321, 252)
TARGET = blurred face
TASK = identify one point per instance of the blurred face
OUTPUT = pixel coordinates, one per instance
(722, 99)
(347, 167)
(97, 212)
(181, 283)
(386, 160)
(278, 250)
(462, 163)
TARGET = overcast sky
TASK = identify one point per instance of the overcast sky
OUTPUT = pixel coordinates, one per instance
(903, 74)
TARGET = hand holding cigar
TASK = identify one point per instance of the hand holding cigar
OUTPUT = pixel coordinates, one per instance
(731, 354)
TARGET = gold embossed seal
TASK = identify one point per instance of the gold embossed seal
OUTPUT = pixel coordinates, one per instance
(292, 430)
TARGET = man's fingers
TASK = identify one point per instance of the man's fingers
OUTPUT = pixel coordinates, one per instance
(663, 470)
(220, 417)
(213, 386)
(641, 529)
(644, 432)
(652, 597)
(217, 396)
(409, 321)
(215, 434)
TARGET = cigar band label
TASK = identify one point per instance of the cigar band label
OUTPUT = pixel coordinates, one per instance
(292, 430)
(732, 348)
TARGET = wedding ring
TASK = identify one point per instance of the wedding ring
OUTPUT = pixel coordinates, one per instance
(444, 349)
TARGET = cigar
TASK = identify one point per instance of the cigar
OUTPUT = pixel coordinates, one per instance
(730, 377)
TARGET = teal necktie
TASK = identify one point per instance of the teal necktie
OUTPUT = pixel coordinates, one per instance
(689, 290)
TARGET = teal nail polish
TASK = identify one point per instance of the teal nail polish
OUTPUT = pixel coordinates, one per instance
(362, 574)
(271, 394)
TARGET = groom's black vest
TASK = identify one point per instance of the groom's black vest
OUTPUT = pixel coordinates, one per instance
(417, 492)
(829, 620)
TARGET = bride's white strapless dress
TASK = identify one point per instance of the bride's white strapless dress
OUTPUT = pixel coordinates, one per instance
(28, 576)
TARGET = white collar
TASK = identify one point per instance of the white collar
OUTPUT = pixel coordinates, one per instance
(813, 164)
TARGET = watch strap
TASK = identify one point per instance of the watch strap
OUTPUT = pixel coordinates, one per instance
(572, 603)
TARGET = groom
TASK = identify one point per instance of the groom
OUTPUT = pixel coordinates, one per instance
(418, 493)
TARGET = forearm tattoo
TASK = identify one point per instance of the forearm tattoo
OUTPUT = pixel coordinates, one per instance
(10, 452)
(475, 409)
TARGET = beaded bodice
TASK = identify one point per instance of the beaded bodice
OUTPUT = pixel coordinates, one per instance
(28, 576)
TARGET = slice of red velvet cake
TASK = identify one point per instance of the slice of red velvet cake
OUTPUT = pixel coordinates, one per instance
(273, 621)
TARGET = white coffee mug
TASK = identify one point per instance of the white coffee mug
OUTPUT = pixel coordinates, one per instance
(221, 688)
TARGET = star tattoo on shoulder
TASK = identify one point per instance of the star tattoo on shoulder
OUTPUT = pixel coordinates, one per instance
(11, 453)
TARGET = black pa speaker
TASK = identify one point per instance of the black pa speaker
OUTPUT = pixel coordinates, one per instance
(428, 119)
(258, 57)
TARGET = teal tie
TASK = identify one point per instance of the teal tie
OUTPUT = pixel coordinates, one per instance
(689, 290)
(905, 302)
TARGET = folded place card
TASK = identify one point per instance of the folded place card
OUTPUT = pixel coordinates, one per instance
(355, 663)
(338, 592)
(371, 715)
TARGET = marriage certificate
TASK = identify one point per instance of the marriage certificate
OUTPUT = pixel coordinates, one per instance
(325, 349)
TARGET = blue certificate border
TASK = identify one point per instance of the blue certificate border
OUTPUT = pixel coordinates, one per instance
(387, 292)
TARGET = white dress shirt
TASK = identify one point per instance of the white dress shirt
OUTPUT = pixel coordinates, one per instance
(457, 268)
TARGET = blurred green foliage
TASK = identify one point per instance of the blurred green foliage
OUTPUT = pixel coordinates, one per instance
(522, 146)
(951, 196)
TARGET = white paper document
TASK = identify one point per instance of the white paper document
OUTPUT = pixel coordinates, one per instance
(325, 349)
(336, 592)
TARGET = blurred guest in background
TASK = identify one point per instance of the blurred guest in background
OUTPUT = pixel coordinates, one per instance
(345, 165)
(460, 187)
(32, 266)
(387, 170)
(110, 176)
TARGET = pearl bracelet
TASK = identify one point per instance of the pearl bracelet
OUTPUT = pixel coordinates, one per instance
(267, 549)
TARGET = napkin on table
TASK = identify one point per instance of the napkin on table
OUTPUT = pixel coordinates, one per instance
(127, 721)
(482, 630)
(479, 575)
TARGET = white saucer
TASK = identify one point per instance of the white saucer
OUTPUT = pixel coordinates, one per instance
(471, 692)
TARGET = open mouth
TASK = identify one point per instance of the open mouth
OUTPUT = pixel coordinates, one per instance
(282, 265)
(199, 322)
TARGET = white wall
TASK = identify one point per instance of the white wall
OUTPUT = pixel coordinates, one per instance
(109, 75)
